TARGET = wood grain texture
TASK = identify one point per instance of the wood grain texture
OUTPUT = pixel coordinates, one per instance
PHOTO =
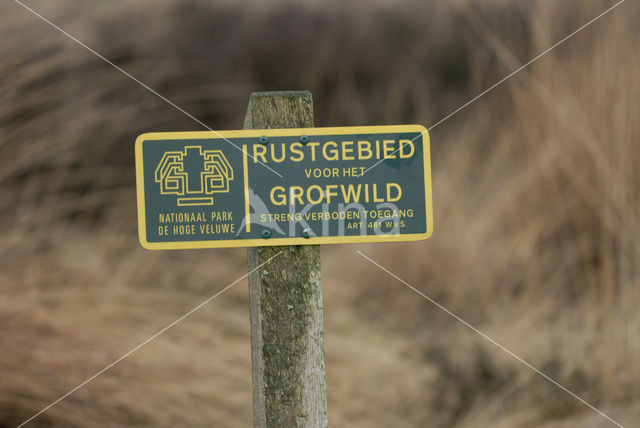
(287, 339)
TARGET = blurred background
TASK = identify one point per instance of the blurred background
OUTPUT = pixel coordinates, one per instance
(536, 195)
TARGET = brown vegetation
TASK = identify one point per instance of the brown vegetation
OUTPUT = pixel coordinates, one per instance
(537, 234)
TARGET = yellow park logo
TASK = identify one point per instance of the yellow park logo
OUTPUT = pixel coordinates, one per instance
(193, 175)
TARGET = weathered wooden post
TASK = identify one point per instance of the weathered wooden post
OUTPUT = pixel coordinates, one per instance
(287, 339)
(335, 185)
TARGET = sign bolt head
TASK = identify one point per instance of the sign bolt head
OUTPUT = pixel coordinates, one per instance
(264, 139)
(304, 139)
(266, 234)
(306, 234)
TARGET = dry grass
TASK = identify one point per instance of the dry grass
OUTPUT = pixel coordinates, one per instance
(536, 195)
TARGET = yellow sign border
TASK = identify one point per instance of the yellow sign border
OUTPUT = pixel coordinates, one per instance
(283, 132)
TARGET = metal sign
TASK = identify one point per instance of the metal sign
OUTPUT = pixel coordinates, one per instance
(283, 187)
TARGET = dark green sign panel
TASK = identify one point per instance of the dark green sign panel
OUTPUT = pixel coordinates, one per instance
(283, 187)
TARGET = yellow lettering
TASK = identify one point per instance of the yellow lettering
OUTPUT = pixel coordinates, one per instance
(330, 155)
(398, 189)
(374, 189)
(296, 193)
(313, 145)
(273, 153)
(347, 150)
(332, 190)
(403, 144)
(259, 152)
(352, 193)
(295, 149)
(277, 195)
(388, 149)
(364, 146)
(320, 194)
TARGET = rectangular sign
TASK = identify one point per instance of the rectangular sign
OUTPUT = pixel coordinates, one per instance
(283, 187)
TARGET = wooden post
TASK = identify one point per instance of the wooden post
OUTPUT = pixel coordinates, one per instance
(287, 339)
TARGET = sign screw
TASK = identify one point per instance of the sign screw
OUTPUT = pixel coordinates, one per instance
(306, 234)
(266, 234)
(264, 139)
(304, 139)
